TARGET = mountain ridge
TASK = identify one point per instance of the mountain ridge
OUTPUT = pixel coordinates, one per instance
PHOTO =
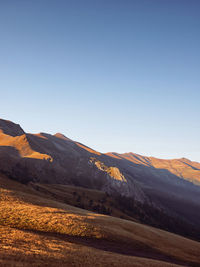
(175, 166)
(144, 185)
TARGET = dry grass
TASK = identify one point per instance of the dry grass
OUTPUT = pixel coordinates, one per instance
(55, 228)
(21, 144)
(20, 248)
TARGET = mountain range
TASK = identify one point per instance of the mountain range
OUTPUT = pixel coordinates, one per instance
(158, 192)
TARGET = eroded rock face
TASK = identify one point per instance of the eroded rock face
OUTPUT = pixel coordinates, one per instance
(115, 182)
(113, 172)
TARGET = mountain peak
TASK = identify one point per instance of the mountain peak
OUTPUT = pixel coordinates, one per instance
(61, 136)
(184, 159)
(10, 128)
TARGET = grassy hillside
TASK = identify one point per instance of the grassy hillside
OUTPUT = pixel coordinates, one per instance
(37, 229)
(93, 200)
(22, 248)
(117, 206)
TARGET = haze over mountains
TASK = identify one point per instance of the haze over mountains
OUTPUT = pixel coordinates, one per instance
(170, 188)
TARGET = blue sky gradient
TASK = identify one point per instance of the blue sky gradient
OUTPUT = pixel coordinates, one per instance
(115, 75)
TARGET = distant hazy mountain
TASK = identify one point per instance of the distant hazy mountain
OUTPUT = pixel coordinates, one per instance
(170, 187)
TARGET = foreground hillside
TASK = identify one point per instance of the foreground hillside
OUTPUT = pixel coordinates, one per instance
(36, 229)
(22, 248)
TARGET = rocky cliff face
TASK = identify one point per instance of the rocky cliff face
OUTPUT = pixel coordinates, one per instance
(115, 181)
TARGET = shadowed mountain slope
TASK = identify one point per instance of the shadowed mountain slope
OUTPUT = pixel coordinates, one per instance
(57, 159)
(183, 168)
(162, 193)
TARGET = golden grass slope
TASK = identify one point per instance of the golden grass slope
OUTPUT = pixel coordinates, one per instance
(40, 231)
(22, 248)
(21, 144)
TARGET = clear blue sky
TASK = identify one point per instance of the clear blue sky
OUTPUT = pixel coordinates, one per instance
(116, 75)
